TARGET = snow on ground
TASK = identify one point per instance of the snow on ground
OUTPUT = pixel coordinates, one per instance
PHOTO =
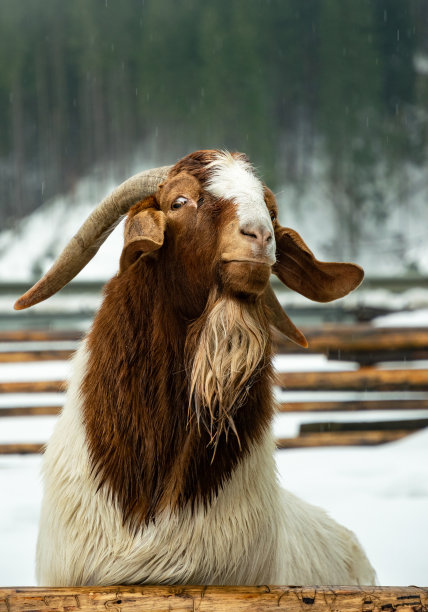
(381, 493)
(402, 319)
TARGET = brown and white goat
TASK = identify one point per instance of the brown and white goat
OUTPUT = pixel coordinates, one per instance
(161, 468)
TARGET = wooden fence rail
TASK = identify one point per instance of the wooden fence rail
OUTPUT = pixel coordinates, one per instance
(364, 379)
(214, 599)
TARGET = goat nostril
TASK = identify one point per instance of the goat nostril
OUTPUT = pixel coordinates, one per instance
(249, 234)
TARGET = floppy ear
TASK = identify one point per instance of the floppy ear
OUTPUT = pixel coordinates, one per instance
(144, 232)
(280, 320)
(320, 281)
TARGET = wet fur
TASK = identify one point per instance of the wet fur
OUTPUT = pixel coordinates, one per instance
(161, 468)
(146, 449)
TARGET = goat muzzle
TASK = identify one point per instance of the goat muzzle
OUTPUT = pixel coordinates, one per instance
(245, 276)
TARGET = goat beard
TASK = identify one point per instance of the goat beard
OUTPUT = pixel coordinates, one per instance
(230, 345)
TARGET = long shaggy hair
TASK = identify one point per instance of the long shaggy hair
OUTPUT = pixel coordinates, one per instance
(230, 347)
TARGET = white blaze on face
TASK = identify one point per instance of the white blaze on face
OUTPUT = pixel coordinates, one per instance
(233, 179)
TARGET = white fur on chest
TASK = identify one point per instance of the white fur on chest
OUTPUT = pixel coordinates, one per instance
(251, 533)
(82, 539)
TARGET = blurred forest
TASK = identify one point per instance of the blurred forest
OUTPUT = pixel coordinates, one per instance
(86, 83)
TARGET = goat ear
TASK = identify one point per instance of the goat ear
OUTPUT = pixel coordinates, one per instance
(297, 267)
(279, 319)
(144, 232)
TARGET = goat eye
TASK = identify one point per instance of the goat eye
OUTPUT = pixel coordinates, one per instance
(272, 215)
(179, 203)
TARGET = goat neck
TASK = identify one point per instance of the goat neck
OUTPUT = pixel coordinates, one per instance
(156, 442)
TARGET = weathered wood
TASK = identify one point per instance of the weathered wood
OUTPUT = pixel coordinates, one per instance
(364, 379)
(339, 438)
(330, 338)
(354, 405)
(372, 357)
(333, 426)
(36, 335)
(21, 448)
(42, 386)
(35, 355)
(29, 411)
(214, 599)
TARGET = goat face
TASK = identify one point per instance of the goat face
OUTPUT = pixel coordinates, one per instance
(217, 231)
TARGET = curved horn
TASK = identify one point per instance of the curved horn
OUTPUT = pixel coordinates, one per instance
(88, 239)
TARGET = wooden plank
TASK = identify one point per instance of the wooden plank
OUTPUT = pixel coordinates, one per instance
(347, 406)
(356, 337)
(35, 355)
(367, 358)
(364, 379)
(349, 438)
(345, 426)
(21, 448)
(36, 335)
(44, 386)
(16, 411)
(214, 599)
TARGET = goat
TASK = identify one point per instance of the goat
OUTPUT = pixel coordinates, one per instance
(161, 467)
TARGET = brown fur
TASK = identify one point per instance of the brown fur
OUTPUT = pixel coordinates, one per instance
(143, 446)
(159, 434)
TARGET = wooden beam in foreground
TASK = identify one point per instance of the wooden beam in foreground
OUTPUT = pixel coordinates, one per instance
(214, 599)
